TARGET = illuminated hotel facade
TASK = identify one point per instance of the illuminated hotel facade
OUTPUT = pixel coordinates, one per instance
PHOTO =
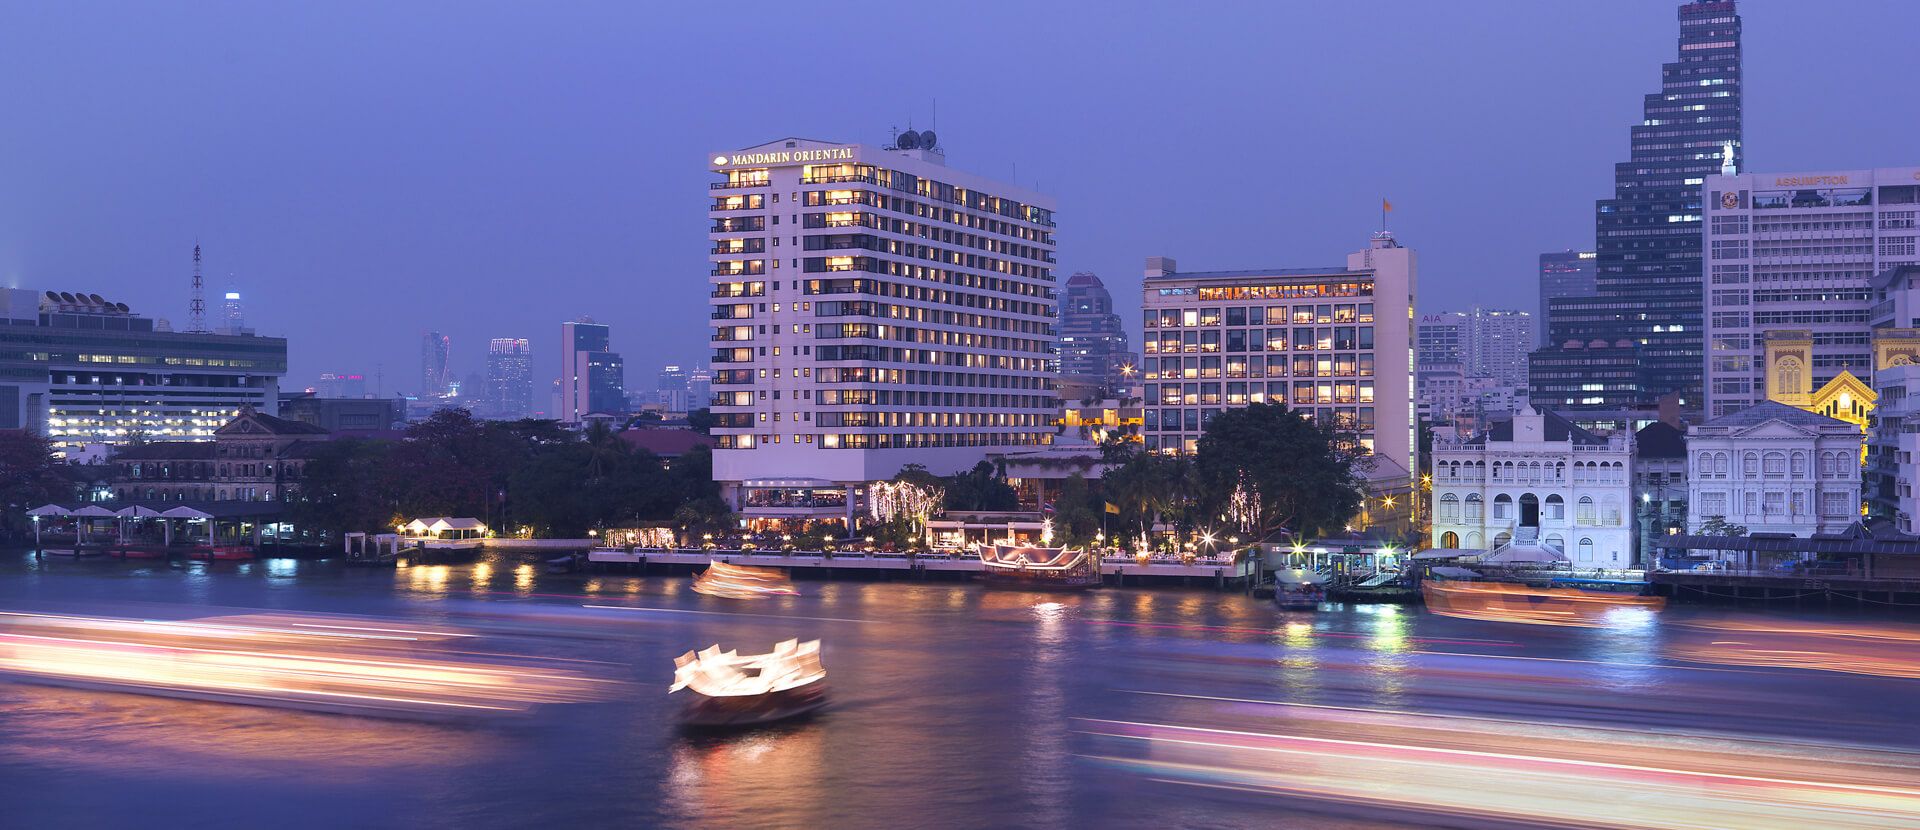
(871, 308)
(1334, 343)
(82, 370)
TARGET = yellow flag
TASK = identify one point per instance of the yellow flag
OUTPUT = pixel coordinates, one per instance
(1385, 206)
(1113, 508)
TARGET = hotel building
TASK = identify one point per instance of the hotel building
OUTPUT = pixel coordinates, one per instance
(1798, 253)
(83, 370)
(1334, 343)
(871, 308)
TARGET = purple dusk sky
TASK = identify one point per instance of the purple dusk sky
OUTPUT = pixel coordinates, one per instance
(362, 172)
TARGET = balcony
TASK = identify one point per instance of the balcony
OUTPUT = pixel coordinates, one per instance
(738, 183)
(725, 291)
(838, 179)
(750, 269)
(752, 246)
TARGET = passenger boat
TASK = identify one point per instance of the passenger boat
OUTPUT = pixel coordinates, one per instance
(1299, 589)
(1039, 569)
(1515, 602)
(727, 689)
(729, 581)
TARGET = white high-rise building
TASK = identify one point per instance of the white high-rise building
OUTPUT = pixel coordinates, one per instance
(872, 308)
(1799, 251)
(1335, 343)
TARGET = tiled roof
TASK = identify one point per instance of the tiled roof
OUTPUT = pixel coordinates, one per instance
(1659, 440)
(1765, 411)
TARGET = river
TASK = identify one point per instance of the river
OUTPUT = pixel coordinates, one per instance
(956, 706)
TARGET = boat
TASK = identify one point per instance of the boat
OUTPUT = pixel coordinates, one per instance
(1298, 589)
(730, 581)
(1515, 602)
(1385, 586)
(728, 689)
(1041, 569)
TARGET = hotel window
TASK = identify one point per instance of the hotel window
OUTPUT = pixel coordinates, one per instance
(1303, 314)
(1276, 340)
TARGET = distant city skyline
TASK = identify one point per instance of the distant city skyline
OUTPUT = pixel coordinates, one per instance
(349, 244)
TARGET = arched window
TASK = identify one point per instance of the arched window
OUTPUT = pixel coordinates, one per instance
(1450, 508)
(1721, 464)
(1450, 539)
(1557, 542)
(1799, 464)
(1584, 513)
(1586, 550)
(1705, 464)
(1503, 506)
(1750, 465)
(1502, 538)
(1559, 471)
(1556, 509)
(1611, 513)
(1774, 464)
(1473, 539)
(1788, 375)
(1475, 510)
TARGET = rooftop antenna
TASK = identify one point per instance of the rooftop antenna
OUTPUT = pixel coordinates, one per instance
(197, 310)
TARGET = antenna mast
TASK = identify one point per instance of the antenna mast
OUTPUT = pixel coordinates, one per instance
(197, 310)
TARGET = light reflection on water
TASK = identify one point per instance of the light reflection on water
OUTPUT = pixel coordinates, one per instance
(949, 700)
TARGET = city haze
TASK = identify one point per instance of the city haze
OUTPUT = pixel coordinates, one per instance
(361, 173)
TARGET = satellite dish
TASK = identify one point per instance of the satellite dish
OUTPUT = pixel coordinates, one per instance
(908, 140)
(927, 139)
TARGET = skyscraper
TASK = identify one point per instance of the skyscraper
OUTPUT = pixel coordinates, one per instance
(1093, 343)
(509, 392)
(871, 308)
(592, 376)
(670, 389)
(699, 388)
(234, 316)
(1486, 343)
(1648, 236)
(434, 374)
(1566, 273)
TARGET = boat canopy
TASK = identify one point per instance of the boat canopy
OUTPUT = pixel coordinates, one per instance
(717, 673)
(1298, 576)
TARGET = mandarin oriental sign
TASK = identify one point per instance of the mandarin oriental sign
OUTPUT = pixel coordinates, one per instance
(785, 157)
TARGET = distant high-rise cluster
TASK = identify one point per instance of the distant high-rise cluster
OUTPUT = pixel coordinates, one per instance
(436, 380)
(1093, 342)
(593, 378)
(509, 383)
(1646, 309)
(1488, 343)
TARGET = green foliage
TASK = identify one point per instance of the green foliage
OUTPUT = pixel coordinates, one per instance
(508, 474)
(27, 475)
(981, 488)
(701, 420)
(1302, 472)
(1719, 526)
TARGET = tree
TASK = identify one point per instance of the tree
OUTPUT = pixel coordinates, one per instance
(345, 486)
(1719, 526)
(1296, 473)
(982, 488)
(701, 421)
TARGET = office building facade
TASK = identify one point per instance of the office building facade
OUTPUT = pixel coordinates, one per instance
(593, 378)
(1333, 343)
(1486, 343)
(83, 370)
(871, 308)
(509, 383)
(671, 389)
(1800, 252)
(436, 377)
(1648, 236)
(1563, 274)
(1093, 342)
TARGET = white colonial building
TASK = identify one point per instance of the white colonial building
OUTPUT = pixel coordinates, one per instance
(1774, 468)
(1536, 481)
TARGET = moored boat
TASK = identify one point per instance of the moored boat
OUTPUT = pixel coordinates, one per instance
(222, 552)
(1045, 569)
(1298, 589)
(728, 689)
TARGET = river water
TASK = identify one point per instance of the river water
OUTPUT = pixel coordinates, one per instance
(954, 706)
